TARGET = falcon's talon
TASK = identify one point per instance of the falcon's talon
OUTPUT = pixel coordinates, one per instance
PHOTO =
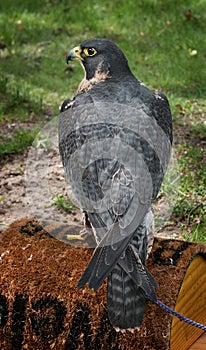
(115, 144)
(87, 236)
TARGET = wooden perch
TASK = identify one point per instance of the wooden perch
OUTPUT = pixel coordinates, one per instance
(191, 302)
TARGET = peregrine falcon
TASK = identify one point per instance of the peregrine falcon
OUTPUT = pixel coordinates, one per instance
(115, 141)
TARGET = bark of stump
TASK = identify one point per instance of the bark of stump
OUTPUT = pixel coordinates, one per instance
(41, 307)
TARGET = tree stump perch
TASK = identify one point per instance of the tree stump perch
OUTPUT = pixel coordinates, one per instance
(42, 308)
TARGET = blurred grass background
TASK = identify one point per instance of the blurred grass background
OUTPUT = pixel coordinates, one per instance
(165, 43)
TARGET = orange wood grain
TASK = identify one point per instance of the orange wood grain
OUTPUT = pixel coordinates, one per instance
(191, 302)
(200, 343)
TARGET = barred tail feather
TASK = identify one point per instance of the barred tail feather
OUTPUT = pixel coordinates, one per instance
(128, 283)
(125, 301)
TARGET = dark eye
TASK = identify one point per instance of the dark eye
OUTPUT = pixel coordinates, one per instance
(89, 51)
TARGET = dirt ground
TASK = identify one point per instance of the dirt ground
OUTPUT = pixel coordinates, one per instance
(21, 200)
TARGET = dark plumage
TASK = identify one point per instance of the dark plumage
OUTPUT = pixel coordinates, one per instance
(115, 139)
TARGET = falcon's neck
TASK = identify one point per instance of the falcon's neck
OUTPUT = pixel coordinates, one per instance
(101, 74)
(87, 84)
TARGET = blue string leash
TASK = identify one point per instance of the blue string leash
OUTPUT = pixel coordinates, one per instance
(177, 314)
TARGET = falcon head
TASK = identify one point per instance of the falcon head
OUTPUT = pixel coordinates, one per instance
(100, 56)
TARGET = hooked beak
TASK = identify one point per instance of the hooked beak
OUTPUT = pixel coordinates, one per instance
(74, 54)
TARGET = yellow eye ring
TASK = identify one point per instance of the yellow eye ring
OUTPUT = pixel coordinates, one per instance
(89, 51)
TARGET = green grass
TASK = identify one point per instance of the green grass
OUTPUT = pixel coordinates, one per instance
(20, 98)
(190, 208)
(63, 203)
(18, 142)
(156, 37)
(164, 42)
